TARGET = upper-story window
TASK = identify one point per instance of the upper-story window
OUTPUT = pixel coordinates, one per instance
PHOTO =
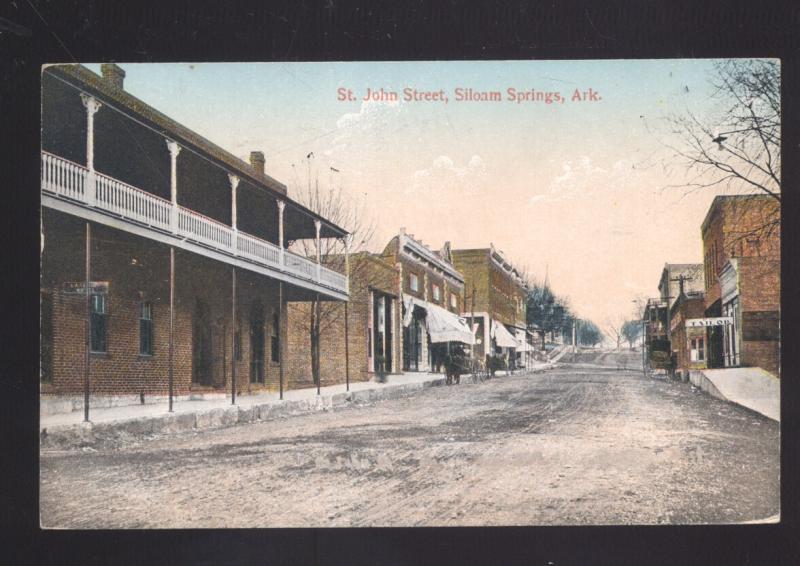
(437, 292)
(413, 282)
(453, 300)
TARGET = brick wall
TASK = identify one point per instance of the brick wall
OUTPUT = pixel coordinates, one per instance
(137, 270)
(366, 272)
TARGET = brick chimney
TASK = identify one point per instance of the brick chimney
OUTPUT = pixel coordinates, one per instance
(257, 161)
(113, 74)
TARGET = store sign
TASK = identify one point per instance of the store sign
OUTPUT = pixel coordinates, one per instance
(716, 321)
(79, 288)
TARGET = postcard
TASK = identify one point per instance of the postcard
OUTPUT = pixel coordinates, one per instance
(410, 294)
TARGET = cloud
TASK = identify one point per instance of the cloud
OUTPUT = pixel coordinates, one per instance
(370, 116)
(582, 178)
(445, 175)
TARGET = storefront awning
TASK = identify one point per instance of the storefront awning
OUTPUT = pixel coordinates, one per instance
(502, 336)
(442, 325)
(522, 342)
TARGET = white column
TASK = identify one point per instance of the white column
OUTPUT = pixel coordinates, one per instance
(234, 183)
(281, 206)
(347, 240)
(318, 226)
(174, 150)
(92, 105)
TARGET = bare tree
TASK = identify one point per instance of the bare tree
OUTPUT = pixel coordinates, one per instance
(333, 204)
(614, 329)
(739, 145)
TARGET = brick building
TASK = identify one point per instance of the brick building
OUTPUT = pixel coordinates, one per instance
(374, 327)
(496, 302)
(432, 294)
(688, 343)
(184, 247)
(741, 250)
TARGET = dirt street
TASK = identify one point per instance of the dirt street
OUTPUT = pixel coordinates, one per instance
(578, 445)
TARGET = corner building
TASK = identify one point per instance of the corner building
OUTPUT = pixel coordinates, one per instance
(183, 246)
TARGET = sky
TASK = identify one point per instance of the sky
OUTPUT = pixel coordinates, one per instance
(579, 190)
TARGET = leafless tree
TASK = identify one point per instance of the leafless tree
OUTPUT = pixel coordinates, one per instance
(613, 327)
(738, 146)
(335, 205)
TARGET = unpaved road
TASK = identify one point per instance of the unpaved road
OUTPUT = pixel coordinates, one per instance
(579, 445)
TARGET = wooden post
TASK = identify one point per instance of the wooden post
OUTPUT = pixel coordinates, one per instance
(280, 334)
(316, 333)
(171, 322)
(346, 317)
(233, 336)
(346, 348)
(88, 322)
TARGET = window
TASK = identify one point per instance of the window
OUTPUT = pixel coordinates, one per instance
(276, 338)
(437, 292)
(99, 320)
(697, 350)
(453, 300)
(413, 282)
(146, 329)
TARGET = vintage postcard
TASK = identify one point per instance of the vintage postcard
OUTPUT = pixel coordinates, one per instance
(472, 293)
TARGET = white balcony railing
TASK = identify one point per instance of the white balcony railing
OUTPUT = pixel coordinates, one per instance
(73, 181)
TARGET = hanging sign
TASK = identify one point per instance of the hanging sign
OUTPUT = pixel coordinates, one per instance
(716, 321)
(79, 287)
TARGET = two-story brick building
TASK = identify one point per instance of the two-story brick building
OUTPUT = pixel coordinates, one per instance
(432, 294)
(741, 249)
(687, 342)
(496, 302)
(164, 262)
(354, 348)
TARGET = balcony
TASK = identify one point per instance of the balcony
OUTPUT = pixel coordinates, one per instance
(93, 191)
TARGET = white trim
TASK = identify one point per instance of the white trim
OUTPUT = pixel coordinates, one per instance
(95, 215)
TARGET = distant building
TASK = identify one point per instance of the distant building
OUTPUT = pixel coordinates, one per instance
(689, 348)
(656, 333)
(496, 303)
(742, 281)
(432, 294)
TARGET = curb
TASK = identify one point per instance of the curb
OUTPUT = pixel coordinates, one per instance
(85, 435)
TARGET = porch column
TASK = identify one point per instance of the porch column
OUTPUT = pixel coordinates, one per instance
(318, 226)
(281, 338)
(346, 317)
(87, 322)
(171, 323)
(281, 206)
(233, 336)
(92, 105)
(174, 150)
(234, 183)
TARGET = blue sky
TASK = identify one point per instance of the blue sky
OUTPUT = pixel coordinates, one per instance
(576, 189)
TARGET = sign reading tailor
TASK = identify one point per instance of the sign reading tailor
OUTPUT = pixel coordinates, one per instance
(716, 321)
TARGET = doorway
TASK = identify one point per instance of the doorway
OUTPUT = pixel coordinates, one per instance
(257, 348)
(202, 361)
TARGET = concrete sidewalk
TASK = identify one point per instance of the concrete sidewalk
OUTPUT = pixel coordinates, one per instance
(753, 388)
(67, 430)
